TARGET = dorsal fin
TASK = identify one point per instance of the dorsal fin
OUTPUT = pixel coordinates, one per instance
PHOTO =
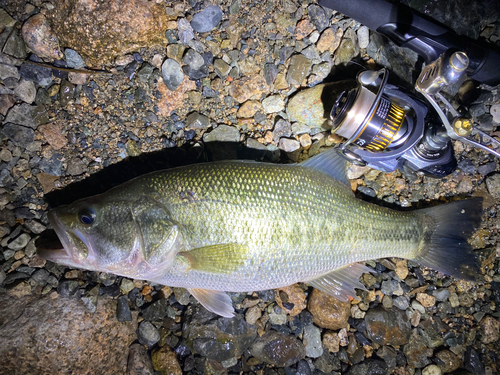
(331, 163)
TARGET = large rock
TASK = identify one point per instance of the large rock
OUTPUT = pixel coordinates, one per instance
(59, 335)
(129, 25)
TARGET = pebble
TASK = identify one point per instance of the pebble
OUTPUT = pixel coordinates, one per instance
(197, 121)
(329, 40)
(298, 70)
(184, 30)
(248, 87)
(387, 327)
(304, 28)
(391, 287)
(27, 115)
(318, 17)
(249, 109)
(278, 349)
(73, 59)
(291, 299)
(126, 286)
(312, 341)
(450, 361)
(193, 59)
(207, 19)
(66, 92)
(493, 185)
(172, 74)
(89, 299)
(289, 145)
(26, 91)
(369, 367)
(123, 313)
(40, 38)
(416, 351)
(221, 68)
(273, 104)
(426, 300)
(148, 334)
(495, 112)
(328, 312)
(432, 370)
(363, 36)
(20, 242)
(472, 362)
(6, 102)
(40, 75)
(253, 314)
(139, 362)
(165, 361)
(40, 277)
(490, 330)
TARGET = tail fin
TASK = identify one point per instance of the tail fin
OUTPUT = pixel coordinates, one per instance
(446, 248)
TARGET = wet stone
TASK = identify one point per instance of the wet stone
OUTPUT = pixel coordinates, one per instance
(416, 351)
(68, 288)
(278, 349)
(197, 121)
(387, 327)
(219, 339)
(66, 92)
(329, 312)
(473, 362)
(207, 19)
(139, 362)
(223, 133)
(148, 334)
(123, 313)
(165, 361)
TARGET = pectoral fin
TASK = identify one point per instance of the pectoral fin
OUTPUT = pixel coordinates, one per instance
(341, 282)
(221, 258)
(214, 301)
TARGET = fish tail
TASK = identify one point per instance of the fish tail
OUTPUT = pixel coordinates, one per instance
(445, 246)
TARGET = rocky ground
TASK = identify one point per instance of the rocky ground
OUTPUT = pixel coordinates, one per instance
(182, 82)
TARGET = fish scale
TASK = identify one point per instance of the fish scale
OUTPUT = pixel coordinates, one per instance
(243, 226)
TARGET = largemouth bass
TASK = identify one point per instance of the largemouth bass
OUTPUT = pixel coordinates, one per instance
(242, 226)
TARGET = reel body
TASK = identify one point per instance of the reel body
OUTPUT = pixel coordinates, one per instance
(385, 128)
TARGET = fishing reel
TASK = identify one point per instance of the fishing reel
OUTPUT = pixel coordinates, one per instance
(386, 128)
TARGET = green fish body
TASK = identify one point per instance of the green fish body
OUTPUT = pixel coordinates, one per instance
(244, 226)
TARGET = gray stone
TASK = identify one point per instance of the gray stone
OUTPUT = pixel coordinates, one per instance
(416, 351)
(221, 68)
(270, 73)
(312, 341)
(207, 19)
(299, 128)
(38, 74)
(40, 276)
(52, 166)
(322, 70)
(298, 70)
(193, 59)
(195, 73)
(172, 74)
(5, 19)
(148, 334)
(76, 167)
(90, 298)
(282, 128)
(26, 91)
(487, 168)
(182, 296)
(27, 115)
(441, 294)
(273, 104)
(9, 71)
(145, 72)
(363, 36)
(68, 288)
(20, 242)
(369, 367)
(123, 313)
(14, 46)
(126, 286)
(493, 185)
(156, 311)
(311, 53)
(197, 121)
(6, 179)
(73, 59)
(223, 133)
(347, 50)
(289, 145)
(318, 17)
(495, 112)
(2, 275)
(255, 144)
(184, 30)
(278, 349)
(391, 287)
(401, 302)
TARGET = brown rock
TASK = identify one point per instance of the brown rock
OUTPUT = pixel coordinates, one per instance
(172, 100)
(249, 109)
(40, 38)
(451, 361)
(139, 362)
(165, 361)
(329, 312)
(6, 102)
(331, 341)
(329, 40)
(387, 327)
(291, 299)
(247, 87)
(19, 290)
(59, 335)
(53, 135)
(425, 299)
(47, 181)
(490, 329)
(129, 25)
(303, 29)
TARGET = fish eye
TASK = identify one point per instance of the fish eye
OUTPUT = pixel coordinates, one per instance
(86, 215)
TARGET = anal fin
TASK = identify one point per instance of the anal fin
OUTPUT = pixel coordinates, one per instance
(341, 282)
(214, 301)
(220, 258)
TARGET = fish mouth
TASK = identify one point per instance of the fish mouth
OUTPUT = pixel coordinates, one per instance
(67, 253)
